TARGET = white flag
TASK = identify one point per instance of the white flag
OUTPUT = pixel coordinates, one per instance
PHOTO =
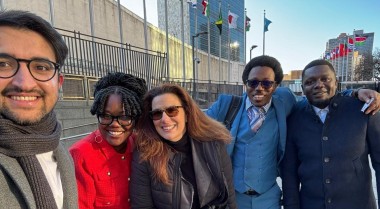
(232, 20)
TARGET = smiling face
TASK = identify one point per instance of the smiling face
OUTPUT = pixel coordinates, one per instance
(170, 128)
(261, 96)
(319, 85)
(23, 99)
(115, 134)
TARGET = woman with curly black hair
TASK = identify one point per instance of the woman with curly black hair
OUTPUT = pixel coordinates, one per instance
(102, 159)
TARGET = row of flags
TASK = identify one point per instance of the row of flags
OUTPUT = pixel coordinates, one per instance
(343, 49)
(232, 17)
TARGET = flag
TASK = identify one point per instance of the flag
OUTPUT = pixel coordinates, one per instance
(341, 50)
(333, 54)
(219, 22)
(360, 40)
(266, 24)
(247, 23)
(327, 56)
(351, 44)
(193, 3)
(232, 20)
(337, 52)
(206, 8)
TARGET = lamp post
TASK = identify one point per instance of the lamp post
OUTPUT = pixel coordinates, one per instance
(192, 43)
(250, 51)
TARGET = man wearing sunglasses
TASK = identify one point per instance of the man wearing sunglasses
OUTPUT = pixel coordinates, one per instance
(259, 132)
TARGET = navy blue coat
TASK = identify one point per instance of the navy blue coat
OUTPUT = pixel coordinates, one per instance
(327, 165)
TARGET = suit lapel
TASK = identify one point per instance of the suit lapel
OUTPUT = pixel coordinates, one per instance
(281, 119)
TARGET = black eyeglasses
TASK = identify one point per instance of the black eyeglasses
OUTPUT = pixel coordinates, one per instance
(40, 69)
(171, 111)
(123, 120)
(255, 83)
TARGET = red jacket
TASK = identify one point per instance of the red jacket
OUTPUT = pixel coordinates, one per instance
(102, 174)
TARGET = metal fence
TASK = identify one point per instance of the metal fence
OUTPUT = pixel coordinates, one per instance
(91, 57)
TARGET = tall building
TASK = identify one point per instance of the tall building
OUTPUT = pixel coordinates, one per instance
(195, 22)
(346, 50)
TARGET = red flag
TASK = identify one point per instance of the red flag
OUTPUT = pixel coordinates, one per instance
(342, 50)
(350, 44)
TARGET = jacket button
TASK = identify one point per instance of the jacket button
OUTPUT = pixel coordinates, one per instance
(108, 203)
(123, 157)
(129, 179)
(327, 181)
(326, 159)
(329, 200)
(109, 173)
(325, 138)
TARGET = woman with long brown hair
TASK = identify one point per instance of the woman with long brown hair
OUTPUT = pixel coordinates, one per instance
(181, 159)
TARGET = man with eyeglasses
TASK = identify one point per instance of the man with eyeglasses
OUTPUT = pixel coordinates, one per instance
(259, 132)
(36, 170)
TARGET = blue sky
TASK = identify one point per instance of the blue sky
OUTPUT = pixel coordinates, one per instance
(299, 29)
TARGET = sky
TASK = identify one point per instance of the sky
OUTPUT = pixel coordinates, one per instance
(299, 30)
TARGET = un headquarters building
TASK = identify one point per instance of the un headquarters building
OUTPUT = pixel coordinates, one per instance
(194, 22)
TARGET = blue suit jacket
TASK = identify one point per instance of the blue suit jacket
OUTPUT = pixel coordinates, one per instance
(283, 101)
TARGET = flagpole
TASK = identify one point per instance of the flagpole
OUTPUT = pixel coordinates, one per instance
(167, 41)
(353, 57)
(220, 45)
(245, 35)
(264, 35)
(347, 53)
(208, 46)
(149, 76)
(183, 46)
(196, 41)
(229, 49)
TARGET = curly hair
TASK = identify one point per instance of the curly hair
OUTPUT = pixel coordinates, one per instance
(199, 127)
(129, 87)
(267, 61)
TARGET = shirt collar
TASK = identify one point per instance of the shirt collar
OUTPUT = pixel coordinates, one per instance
(248, 104)
(317, 110)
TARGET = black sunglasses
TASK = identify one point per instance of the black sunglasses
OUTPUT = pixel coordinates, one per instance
(171, 111)
(255, 83)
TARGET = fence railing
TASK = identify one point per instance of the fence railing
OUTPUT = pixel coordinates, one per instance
(92, 57)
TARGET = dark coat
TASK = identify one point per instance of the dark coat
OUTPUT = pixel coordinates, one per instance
(326, 165)
(15, 191)
(213, 173)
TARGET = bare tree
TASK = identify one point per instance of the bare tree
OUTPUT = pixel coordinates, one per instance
(376, 64)
(368, 67)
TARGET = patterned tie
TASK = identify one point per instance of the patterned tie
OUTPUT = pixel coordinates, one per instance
(256, 117)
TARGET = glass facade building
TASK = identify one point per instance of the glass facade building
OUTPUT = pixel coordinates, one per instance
(196, 22)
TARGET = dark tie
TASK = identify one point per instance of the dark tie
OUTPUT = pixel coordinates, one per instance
(256, 117)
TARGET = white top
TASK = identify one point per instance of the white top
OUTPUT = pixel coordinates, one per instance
(50, 167)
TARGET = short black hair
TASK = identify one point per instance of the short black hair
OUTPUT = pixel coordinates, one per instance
(318, 62)
(267, 61)
(131, 89)
(25, 20)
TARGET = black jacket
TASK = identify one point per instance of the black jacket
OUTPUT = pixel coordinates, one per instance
(213, 173)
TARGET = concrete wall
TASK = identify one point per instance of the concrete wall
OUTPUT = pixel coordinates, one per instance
(75, 15)
(76, 119)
